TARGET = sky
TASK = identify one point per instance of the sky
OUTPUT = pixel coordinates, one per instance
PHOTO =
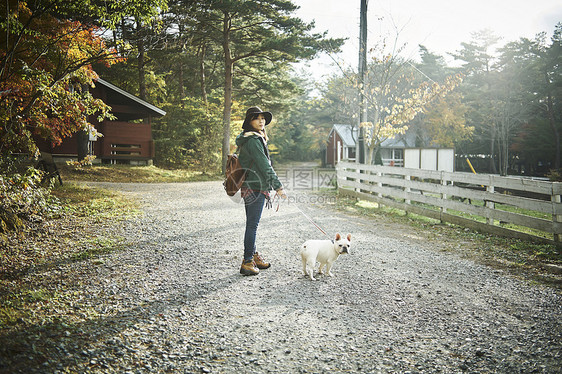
(439, 25)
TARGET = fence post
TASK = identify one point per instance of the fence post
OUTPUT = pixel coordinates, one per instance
(443, 195)
(407, 189)
(556, 217)
(379, 184)
(358, 179)
(490, 204)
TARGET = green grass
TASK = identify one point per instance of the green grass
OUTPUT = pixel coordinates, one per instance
(76, 230)
(29, 306)
(542, 252)
(526, 212)
(98, 246)
(515, 252)
(87, 201)
(482, 219)
(132, 174)
(509, 209)
(76, 233)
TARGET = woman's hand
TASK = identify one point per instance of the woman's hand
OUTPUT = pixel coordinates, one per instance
(281, 193)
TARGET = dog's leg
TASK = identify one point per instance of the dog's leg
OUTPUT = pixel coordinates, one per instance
(329, 268)
(320, 266)
(304, 272)
(311, 270)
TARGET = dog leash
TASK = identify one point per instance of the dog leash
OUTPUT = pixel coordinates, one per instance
(312, 221)
(304, 214)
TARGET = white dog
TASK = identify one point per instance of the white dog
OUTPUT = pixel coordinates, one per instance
(326, 252)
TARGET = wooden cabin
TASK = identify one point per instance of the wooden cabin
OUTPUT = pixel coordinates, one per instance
(127, 139)
(341, 144)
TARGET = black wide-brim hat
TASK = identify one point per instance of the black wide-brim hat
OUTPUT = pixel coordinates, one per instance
(252, 113)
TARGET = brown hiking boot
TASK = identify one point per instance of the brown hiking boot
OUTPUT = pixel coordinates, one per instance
(260, 262)
(249, 268)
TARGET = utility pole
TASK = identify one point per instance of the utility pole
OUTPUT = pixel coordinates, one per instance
(362, 80)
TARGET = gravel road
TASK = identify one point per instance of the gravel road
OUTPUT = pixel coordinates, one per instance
(174, 302)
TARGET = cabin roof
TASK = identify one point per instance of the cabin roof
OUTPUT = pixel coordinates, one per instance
(150, 107)
(347, 134)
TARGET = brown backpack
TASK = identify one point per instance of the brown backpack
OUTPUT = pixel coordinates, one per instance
(234, 175)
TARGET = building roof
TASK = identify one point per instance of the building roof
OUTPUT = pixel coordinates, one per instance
(407, 140)
(149, 106)
(349, 138)
(347, 133)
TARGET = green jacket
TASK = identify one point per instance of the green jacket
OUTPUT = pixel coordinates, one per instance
(254, 156)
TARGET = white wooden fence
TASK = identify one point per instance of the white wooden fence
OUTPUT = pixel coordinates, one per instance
(508, 206)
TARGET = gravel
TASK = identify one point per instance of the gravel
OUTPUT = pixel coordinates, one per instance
(173, 301)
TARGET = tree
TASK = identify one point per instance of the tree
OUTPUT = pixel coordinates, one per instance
(524, 89)
(191, 47)
(546, 62)
(533, 147)
(477, 91)
(137, 32)
(46, 52)
(444, 122)
(395, 98)
(258, 30)
(508, 113)
(187, 135)
(44, 67)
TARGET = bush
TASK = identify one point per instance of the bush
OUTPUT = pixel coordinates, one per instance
(555, 175)
(189, 135)
(23, 199)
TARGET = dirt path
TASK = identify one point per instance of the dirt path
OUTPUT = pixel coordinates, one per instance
(173, 301)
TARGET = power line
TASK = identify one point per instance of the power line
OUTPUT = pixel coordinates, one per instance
(419, 71)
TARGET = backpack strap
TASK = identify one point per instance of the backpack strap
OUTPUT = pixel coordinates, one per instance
(265, 149)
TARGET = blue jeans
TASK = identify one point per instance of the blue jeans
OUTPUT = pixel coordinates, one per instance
(253, 202)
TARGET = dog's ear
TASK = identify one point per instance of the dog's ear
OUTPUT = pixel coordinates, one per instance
(348, 237)
(338, 236)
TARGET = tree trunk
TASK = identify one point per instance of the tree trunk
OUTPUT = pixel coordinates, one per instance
(503, 147)
(228, 67)
(202, 73)
(180, 79)
(370, 153)
(555, 133)
(181, 88)
(82, 142)
(141, 63)
(493, 169)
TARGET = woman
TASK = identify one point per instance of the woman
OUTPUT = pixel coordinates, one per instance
(260, 179)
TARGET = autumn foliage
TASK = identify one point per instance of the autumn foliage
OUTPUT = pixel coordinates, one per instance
(45, 71)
